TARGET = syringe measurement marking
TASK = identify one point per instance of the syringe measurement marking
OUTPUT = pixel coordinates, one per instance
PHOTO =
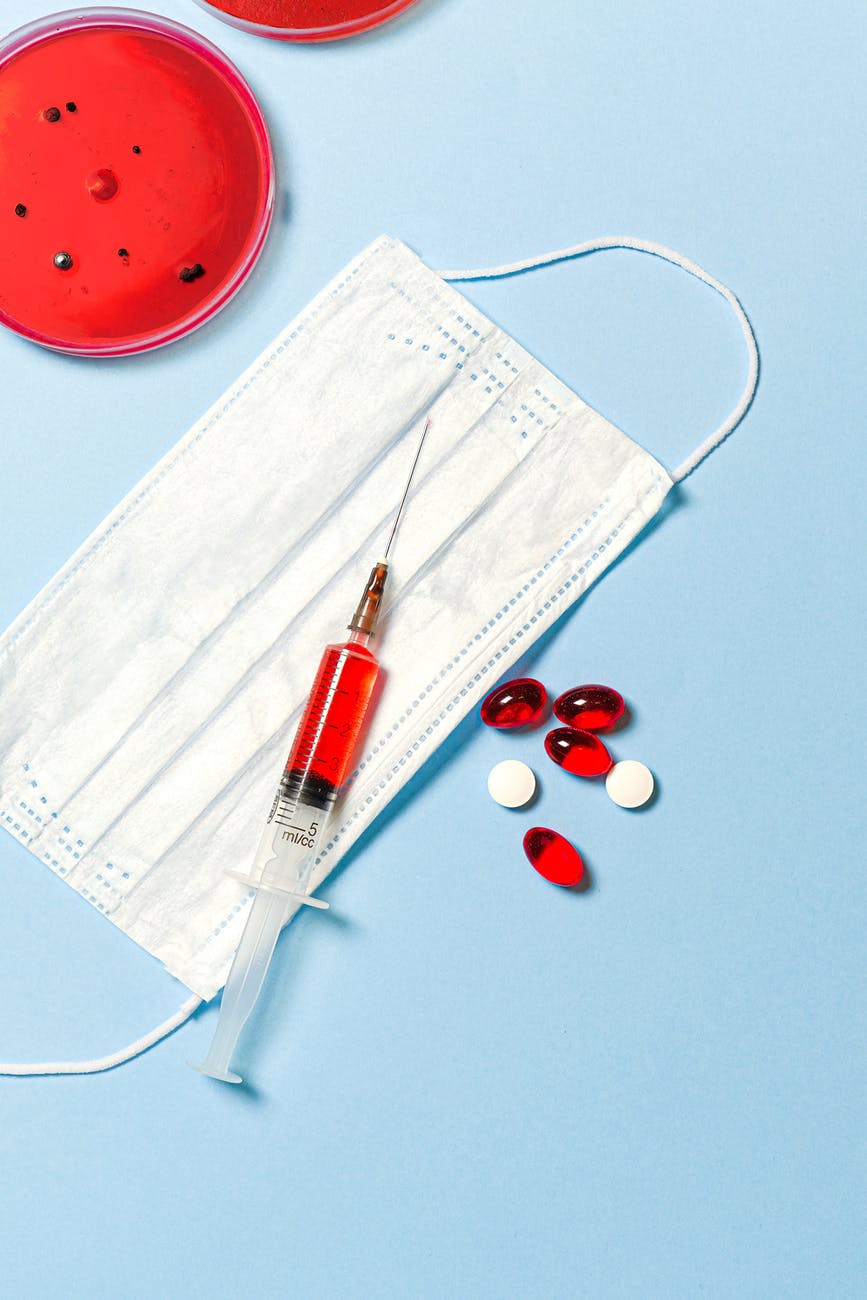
(285, 812)
(320, 705)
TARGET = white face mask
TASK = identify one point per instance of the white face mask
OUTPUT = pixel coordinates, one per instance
(181, 639)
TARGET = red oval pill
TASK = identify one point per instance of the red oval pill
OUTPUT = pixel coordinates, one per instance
(518, 703)
(553, 856)
(579, 752)
(589, 707)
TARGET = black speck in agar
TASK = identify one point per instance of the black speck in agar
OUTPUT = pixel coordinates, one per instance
(71, 106)
(123, 252)
(20, 210)
(136, 148)
(198, 270)
(52, 114)
(187, 274)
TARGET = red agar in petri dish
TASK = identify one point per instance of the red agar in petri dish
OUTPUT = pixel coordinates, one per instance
(136, 181)
(305, 20)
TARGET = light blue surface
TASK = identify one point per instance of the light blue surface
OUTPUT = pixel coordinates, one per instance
(472, 1084)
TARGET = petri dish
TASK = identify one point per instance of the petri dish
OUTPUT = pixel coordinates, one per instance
(136, 181)
(305, 20)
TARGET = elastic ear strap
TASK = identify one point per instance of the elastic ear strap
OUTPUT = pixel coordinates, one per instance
(116, 1058)
(677, 259)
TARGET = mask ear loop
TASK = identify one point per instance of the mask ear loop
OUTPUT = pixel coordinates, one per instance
(677, 259)
(116, 1058)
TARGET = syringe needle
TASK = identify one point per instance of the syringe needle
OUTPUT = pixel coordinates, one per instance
(406, 489)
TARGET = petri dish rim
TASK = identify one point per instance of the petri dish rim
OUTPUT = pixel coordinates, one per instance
(104, 16)
(327, 32)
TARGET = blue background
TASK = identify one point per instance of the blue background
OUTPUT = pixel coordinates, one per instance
(474, 1084)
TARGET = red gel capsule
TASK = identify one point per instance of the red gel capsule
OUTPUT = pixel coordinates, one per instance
(579, 752)
(553, 856)
(589, 707)
(518, 703)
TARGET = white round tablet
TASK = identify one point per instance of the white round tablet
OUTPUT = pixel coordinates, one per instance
(630, 783)
(511, 783)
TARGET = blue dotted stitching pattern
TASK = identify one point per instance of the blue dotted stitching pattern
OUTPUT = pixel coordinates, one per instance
(487, 376)
(70, 847)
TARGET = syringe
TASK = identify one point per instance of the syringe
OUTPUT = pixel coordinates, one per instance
(315, 770)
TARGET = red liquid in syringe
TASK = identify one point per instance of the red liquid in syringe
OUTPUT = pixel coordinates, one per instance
(334, 716)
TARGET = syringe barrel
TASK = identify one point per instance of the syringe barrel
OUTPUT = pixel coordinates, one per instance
(316, 768)
(334, 715)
